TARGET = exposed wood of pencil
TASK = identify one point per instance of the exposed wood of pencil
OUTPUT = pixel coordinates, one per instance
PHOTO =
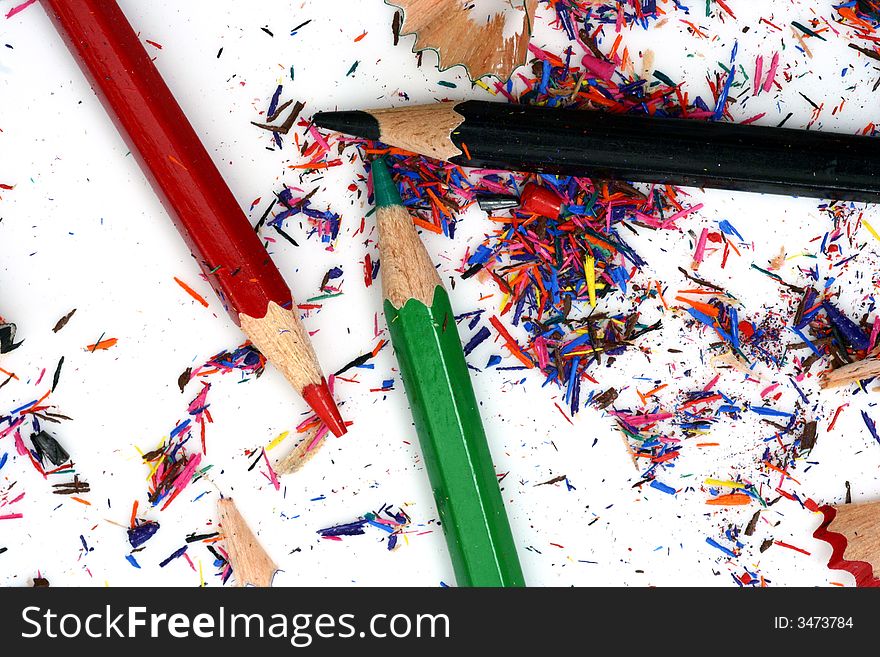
(840, 532)
(860, 525)
(304, 452)
(851, 373)
(250, 563)
(281, 338)
(423, 129)
(461, 35)
(407, 270)
(728, 360)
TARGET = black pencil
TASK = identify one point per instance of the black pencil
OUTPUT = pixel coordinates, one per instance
(629, 147)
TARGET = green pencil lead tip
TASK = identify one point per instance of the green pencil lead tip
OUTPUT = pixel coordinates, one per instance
(383, 185)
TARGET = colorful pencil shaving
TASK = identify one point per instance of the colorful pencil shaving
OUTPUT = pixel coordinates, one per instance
(562, 259)
(549, 269)
(46, 454)
(557, 259)
(394, 522)
(174, 464)
(564, 248)
(553, 272)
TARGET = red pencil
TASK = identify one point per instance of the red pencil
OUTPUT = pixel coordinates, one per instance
(193, 191)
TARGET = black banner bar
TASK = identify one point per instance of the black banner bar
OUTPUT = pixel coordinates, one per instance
(435, 621)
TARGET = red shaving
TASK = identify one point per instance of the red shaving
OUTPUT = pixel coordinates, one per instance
(861, 570)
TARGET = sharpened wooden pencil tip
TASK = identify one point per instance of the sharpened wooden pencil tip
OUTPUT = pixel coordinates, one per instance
(283, 340)
(384, 189)
(250, 563)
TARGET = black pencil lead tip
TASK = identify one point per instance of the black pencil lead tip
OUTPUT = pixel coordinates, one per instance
(359, 124)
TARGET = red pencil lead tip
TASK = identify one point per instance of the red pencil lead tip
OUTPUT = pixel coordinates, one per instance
(320, 399)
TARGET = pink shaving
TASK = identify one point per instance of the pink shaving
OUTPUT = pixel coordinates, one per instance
(759, 70)
(771, 74)
(24, 5)
(701, 248)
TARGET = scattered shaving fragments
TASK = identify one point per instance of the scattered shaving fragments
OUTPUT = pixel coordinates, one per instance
(395, 523)
(576, 296)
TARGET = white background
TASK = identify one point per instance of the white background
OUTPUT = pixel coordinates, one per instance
(82, 229)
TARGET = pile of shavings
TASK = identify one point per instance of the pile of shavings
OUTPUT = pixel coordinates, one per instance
(323, 224)
(46, 454)
(393, 522)
(548, 268)
(141, 531)
(172, 469)
(861, 18)
(172, 465)
(573, 288)
(618, 13)
(553, 271)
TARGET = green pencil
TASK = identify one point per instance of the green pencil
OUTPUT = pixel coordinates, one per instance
(444, 408)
